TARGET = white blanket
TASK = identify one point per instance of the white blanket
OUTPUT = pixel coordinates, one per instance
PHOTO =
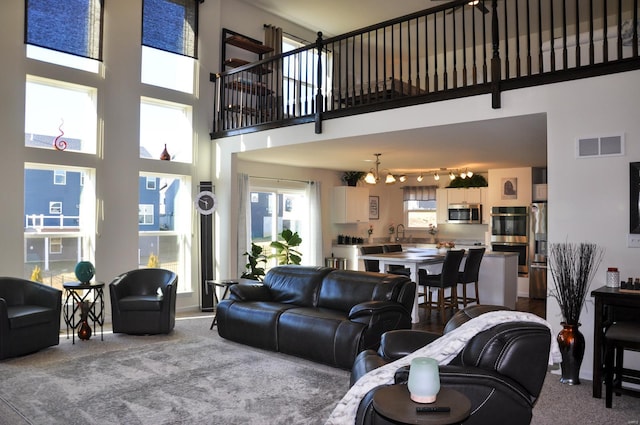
(443, 350)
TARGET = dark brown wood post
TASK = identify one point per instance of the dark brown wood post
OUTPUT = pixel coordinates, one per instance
(495, 59)
(319, 97)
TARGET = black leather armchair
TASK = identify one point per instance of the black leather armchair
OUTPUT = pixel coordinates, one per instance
(29, 316)
(501, 370)
(143, 301)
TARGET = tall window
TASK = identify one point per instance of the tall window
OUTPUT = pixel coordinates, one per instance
(274, 209)
(65, 32)
(59, 221)
(164, 225)
(169, 43)
(60, 115)
(165, 124)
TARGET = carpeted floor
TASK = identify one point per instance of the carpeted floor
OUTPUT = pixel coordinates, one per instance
(191, 376)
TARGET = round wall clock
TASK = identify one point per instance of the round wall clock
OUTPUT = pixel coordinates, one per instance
(206, 202)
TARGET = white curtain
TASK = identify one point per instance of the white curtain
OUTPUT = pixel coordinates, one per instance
(244, 221)
(315, 224)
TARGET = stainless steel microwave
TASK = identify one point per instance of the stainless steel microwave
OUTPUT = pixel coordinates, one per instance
(465, 214)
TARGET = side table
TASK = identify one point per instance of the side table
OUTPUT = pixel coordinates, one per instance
(76, 293)
(213, 284)
(394, 402)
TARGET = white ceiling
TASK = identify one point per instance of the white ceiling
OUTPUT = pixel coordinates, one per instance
(479, 146)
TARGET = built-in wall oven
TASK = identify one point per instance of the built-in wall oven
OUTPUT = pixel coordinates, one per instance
(510, 233)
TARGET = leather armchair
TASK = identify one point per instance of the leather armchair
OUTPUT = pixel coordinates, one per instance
(501, 370)
(29, 316)
(143, 301)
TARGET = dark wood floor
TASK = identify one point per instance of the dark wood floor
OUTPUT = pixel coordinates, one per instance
(432, 323)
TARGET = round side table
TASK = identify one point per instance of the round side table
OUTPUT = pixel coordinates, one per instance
(394, 402)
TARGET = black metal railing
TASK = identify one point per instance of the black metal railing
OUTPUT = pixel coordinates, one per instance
(453, 50)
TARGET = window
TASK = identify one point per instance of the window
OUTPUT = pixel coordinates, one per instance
(164, 231)
(60, 177)
(58, 217)
(151, 183)
(169, 43)
(65, 32)
(420, 206)
(274, 209)
(145, 214)
(55, 246)
(55, 207)
(60, 115)
(165, 124)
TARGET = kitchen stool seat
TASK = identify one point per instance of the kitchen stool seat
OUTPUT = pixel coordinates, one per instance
(620, 336)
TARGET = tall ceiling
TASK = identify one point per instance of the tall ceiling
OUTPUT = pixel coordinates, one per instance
(479, 146)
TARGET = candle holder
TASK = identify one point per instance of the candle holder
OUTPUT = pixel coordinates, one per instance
(424, 380)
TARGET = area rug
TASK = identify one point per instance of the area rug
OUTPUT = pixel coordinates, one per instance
(191, 376)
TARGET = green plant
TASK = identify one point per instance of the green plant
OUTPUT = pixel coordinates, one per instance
(285, 248)
(351, 178)
(254, 259)
(474, 181)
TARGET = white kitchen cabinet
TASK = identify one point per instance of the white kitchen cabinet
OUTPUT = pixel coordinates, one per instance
(350, 204)
(442, 206)
(471, 195)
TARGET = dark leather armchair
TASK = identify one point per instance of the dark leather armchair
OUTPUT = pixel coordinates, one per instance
(29, 316)
(501, 370)
(144, 301)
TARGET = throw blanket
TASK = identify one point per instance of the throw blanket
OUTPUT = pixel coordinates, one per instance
(443, 350)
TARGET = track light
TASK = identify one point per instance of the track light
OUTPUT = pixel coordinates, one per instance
(469, 173)
(420, 177)
(402, 178)
(463, 175)
(436, 176)
(451, 175)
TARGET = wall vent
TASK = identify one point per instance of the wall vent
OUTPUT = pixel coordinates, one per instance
(589, 147)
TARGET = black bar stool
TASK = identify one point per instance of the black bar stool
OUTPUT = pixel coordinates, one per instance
(620, 336)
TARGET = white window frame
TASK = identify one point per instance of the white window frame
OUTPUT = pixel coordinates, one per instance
(145, 211)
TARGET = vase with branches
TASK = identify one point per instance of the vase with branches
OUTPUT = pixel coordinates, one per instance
(572, 267)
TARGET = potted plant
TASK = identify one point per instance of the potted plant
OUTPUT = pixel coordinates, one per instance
(285, 248)
(572, 267)
(254, 259)
(351, 178)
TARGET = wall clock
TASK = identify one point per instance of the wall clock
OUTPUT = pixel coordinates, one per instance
(206, 202)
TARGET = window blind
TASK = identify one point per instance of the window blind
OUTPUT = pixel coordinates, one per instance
(171, 25)
(419, 193)
(69, 26)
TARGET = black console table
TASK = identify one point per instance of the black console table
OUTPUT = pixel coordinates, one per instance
(611, 304)
(394, 402)
(76, 293)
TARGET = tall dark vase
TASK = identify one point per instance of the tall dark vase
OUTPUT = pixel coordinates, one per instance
(84, 331)
(571, 344)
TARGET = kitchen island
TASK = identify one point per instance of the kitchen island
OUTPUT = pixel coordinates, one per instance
(497, 280)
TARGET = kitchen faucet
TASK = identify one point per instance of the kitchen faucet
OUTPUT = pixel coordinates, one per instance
(398, 232)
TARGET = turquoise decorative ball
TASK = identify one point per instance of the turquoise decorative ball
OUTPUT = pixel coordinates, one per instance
(84, 271)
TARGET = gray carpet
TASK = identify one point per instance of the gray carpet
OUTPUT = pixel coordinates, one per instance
(191, 376)
(194, 377)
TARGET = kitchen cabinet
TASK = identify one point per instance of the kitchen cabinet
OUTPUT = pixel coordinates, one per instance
(350, 204)
(472, 195)
(442, 206)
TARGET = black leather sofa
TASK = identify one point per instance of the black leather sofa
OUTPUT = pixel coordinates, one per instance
(501, 370)
(319, 313)
(143, 301)
(29, 316)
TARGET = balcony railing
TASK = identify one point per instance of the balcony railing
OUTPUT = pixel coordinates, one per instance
(450, 51)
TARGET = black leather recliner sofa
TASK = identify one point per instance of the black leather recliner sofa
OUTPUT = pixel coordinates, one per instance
(501, 370)
(319, 313)
(29, 316)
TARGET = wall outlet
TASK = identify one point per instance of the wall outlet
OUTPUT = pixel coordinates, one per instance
(633, 240)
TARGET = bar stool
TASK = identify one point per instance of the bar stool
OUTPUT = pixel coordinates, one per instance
(620, 336)
(470, 275)
(396, 268)
(371, 265)
(448, 278)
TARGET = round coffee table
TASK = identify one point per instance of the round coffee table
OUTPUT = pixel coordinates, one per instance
(394, 402)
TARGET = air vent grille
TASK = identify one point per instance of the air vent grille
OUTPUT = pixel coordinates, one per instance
(590, 147)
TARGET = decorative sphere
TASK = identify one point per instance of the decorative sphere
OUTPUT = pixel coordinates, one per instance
(84, 271)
